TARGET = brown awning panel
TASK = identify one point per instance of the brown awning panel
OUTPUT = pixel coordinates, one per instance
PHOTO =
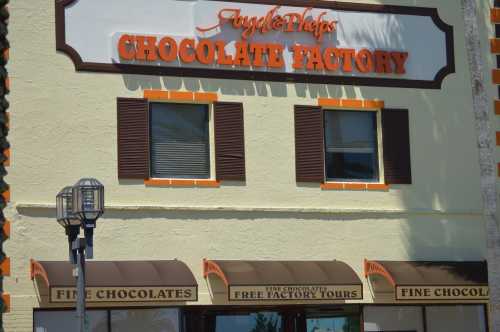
(124, 281)
(431, 280)
(286, 280)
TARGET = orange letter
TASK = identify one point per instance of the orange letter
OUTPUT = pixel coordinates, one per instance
(400, 61)
(315, 62)
(241, 58)
(364, 61)
(383, 62)
(347, 55)
(292, 19)
(275, 53)
(278, 22)
(185, 46)
(298, 56)
(258, 50)
(126, 47)
(171, 54)
(205, 52)
(327, 58)
(222, 57)
(146, 48)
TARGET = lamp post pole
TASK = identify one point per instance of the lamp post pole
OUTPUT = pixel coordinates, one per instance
(79, 248)
(78, 207)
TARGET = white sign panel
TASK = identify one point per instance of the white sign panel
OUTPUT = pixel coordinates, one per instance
(306, 41)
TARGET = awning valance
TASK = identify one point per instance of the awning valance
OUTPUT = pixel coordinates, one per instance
(286, 280)
(430, 280)
(119, 281)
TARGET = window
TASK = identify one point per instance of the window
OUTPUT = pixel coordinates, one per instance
(169, 140)
(393, 318)
(151, 320)
(64, 321)
(458, 318)
(180, 146)
(345, 321)
(351, 148)
(248, 322)
(126, 320)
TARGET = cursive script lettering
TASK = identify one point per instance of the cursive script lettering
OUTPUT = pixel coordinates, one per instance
(272, 21)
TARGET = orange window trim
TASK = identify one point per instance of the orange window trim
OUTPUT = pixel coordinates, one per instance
(351, 103)
(156, 95)
(355, 186)
(181, 96)
(497, 107)
(181, 183)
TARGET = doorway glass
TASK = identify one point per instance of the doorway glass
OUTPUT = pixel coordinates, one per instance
(251, 322)
(332, 322)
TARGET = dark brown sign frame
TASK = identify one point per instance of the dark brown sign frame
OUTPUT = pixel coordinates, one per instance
(80, 65)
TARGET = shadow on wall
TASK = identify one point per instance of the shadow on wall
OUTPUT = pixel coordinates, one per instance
(443, 237)
(236, 88)
(461, 237)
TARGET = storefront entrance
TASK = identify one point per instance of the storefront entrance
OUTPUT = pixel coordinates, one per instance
(345, 318)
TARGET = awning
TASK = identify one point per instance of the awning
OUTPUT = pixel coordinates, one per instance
(431, 280)
(118, 281)
(286, 280)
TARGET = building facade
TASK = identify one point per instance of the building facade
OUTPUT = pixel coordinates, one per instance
(292, 166)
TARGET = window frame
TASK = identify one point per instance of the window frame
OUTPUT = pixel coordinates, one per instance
(380, 145)
(211, 137)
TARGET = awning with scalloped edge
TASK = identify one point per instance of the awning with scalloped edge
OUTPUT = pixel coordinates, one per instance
(286, 280)
(117, 281)
(429, 280)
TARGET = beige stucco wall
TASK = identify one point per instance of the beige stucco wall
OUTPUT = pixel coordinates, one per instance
(63, 127)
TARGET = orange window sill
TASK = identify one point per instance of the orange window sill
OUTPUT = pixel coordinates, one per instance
(182, 183)
(355, 186)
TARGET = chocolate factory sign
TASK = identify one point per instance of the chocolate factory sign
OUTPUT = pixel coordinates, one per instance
(331, 43)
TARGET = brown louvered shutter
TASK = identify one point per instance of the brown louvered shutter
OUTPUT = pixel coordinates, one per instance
(133, 138)
(309, 144)
(396, 137)
(229, 142)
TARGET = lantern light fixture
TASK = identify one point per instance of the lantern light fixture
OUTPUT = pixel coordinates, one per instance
(88, 201)
(64, 209)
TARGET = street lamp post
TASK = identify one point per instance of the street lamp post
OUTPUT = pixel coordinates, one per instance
(79, 207)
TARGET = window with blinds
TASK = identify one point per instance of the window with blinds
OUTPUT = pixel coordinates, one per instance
(179, 141)
(351, 148)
